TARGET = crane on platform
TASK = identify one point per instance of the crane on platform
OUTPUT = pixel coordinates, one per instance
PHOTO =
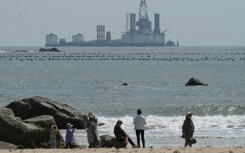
(143, 10)
(144, 23)
(165, 31)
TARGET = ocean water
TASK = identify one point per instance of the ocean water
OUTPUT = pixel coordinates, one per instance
(89, 79)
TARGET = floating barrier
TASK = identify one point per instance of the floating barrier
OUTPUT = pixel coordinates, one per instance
(111, 56)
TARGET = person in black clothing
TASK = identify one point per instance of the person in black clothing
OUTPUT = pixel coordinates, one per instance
(121, 135)
(188, 130)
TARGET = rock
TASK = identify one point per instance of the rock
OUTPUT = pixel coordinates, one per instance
(37, 106)
(105, 141)
(108, 141)
(44, 121)
(195, 82)
(17, 132)
(49, 50)
(124, 84)
(5, 145)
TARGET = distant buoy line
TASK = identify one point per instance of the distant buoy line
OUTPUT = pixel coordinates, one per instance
(166, 57)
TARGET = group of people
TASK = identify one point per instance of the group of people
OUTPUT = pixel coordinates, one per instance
(139, 126)
(120, 135)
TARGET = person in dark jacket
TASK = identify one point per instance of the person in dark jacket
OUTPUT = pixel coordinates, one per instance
(121, 135)
(188, 130)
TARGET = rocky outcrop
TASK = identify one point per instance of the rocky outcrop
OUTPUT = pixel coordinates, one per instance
(49, 50)
(5, 145)
(108, 141)
(37, 106)
(195, 82)
(44, 121)
(25, 133)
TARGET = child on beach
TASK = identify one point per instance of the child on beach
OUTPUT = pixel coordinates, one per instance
(53, 133)
(139, 122)
(69, 135)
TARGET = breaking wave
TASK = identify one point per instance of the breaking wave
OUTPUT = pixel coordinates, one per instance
(166, 127)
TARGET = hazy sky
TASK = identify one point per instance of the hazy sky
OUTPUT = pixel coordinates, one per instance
(192, 22)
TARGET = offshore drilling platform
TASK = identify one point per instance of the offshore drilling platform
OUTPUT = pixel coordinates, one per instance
(141, 36)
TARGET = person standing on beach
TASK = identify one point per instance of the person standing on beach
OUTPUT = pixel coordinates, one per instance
(188, 130)
(140, 122)
(92, 133)
(53, 133)
(121, 135)
(69, 135)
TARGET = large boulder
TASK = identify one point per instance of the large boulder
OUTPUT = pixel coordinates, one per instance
(195, 82)
(108, 141)
(5, 145)
(46, 121)
(15, 131)
(37, 106)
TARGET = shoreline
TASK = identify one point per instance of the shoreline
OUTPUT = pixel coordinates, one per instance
(162, 141)
(207, 149)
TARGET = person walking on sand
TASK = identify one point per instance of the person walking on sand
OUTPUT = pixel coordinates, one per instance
(188, 130)
(92, 133)
(140, 122)
(121, 135)
(69, 135)
(53, 133)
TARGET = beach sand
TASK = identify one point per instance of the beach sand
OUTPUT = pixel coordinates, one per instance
(130, 150)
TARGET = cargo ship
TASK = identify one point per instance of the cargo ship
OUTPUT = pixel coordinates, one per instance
(138, 34)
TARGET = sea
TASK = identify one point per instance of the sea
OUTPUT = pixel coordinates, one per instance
(90, 80)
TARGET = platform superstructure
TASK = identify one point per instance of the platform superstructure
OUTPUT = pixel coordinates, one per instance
(144, 34)
(138, 33)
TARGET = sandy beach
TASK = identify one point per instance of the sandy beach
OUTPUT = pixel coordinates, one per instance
(207, 149)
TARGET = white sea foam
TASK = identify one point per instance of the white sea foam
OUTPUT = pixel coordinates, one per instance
(166, 131)
(205, 126)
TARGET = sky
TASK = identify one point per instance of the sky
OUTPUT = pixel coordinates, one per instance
(191, 22)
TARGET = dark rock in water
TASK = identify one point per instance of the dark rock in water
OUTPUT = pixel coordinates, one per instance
(5, 145)
(49, 50)
(195, 82)
(124, 84)
(37, 106)
(108, 141)
(17, 132)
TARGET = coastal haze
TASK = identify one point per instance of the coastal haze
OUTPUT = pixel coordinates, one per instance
(191, 22)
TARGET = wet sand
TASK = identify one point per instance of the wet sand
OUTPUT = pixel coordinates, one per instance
(137, 150)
